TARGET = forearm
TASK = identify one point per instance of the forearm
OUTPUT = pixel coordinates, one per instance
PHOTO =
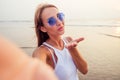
(80, 63)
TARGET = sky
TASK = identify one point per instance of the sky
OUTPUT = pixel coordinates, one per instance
(73, 9)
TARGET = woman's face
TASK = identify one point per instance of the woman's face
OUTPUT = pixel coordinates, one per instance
(53, 21)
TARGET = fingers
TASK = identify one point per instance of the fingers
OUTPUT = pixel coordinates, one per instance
(79, 39)
(74, 43)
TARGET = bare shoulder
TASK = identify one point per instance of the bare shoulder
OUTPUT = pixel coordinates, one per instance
(40, 51)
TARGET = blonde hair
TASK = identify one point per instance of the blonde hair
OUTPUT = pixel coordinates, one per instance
(41, 36)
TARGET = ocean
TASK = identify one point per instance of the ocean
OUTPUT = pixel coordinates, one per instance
(101, 47)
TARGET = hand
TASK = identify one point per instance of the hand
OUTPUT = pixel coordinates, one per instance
(73, 43)
(16, 65)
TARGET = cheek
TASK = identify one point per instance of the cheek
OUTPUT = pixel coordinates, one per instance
(48, 26)
(63, 22)
(52, 30)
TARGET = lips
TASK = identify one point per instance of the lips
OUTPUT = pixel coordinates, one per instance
(60, 28)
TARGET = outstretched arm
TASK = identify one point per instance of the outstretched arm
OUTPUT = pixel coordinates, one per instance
(79, 61)
(16, 65)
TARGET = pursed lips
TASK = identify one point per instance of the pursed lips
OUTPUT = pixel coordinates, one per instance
(60, 28)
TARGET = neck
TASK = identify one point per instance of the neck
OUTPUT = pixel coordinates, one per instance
(56, 42)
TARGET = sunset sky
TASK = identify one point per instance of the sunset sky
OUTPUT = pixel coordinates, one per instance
(73, 9)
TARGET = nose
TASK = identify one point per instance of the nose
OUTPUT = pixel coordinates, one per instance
(59, 22)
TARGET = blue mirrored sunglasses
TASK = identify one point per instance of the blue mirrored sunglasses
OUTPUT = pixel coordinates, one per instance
(52, 21)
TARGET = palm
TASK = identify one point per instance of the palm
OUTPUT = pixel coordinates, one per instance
(73, 43)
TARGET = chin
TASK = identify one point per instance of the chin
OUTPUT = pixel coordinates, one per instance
(62, 32)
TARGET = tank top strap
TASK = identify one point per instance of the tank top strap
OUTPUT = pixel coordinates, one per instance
(49, 47)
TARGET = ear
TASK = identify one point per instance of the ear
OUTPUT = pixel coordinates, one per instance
(43, 29)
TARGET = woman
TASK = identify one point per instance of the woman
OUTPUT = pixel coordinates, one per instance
(61, 54)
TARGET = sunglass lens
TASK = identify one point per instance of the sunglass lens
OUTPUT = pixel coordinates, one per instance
(52, 21)
(61, 16)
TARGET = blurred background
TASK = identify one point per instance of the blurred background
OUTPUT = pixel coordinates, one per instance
(96, 20)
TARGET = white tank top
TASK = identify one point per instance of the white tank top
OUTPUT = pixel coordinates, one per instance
(65, 68)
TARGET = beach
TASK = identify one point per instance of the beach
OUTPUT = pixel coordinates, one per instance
(101, 47)
(101, 51)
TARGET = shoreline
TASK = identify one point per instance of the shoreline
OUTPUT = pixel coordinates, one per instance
(101, 51)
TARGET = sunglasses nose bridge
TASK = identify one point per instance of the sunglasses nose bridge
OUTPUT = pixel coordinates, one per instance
(58, 21)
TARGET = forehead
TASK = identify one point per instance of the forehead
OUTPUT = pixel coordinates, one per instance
(48, 12)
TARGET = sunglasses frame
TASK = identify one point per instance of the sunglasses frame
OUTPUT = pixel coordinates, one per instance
(52, 21)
